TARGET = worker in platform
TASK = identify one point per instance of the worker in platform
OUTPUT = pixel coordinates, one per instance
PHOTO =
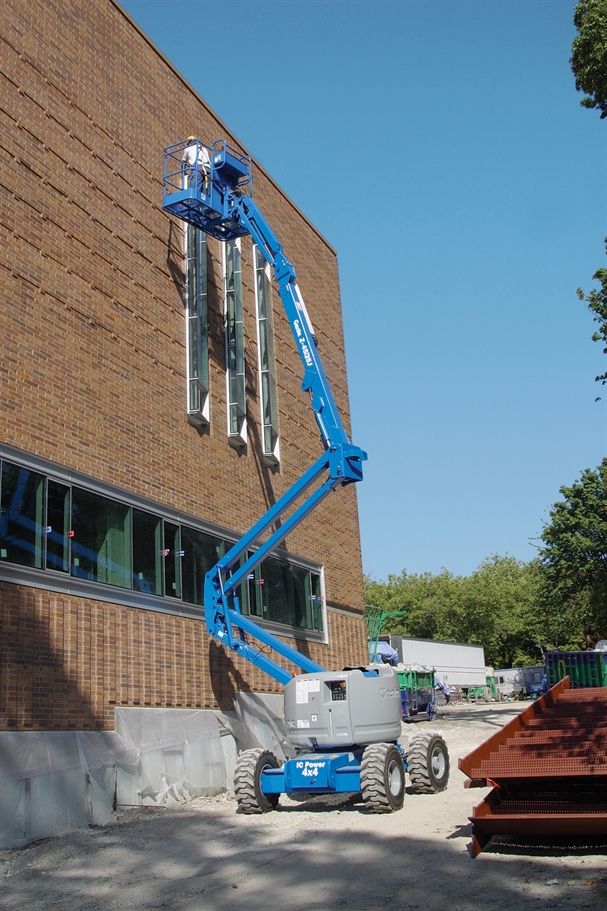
(196, 164)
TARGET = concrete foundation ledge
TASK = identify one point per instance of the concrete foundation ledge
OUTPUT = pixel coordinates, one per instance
(53, 782)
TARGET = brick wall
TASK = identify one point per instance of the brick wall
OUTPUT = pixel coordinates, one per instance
(92, 373)
(65, 662)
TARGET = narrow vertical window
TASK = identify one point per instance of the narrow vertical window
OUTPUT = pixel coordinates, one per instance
(315, 599)
(267, 362)
(234, 332)
(197, 330)
(254, 602)
(200, 554)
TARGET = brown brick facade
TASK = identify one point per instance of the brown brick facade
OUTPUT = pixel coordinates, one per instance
(66, 662)
(92, 374)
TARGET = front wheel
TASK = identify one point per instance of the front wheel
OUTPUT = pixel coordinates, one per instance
(428, 763)
(247, 781)
(382, 778)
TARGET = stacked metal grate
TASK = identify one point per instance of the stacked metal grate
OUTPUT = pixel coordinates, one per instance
(527, 799)
(548, 768)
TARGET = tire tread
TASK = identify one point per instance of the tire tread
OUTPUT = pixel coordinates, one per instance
(246, 785)
(372, 779)
(418, 760)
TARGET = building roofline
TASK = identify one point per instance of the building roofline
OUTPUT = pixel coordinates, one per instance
(229, 132)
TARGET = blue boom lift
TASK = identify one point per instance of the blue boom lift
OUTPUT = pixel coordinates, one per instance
(344, 726)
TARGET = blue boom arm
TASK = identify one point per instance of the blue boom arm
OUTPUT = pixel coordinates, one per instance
(217, 200)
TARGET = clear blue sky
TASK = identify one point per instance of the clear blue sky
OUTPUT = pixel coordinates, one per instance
(440, 147)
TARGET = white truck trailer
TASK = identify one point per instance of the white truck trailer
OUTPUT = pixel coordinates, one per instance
(456, 663)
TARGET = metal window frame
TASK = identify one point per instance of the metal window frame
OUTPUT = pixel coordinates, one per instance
(161, 545)
(197, 324)
(50, 569)
(65, 583)
(260, 265)
(36, 522)
(238, 436)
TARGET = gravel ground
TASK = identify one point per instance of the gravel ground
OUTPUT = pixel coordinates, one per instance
(317, 855)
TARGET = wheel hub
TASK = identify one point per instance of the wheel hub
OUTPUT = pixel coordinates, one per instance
(394, 778)
(437, 763)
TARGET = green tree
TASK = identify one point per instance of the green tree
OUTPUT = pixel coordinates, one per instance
(574, 560)
(589, 53)
(425, 597)
(596, 302)
(589, 65)
(501, 598)
(497, 607)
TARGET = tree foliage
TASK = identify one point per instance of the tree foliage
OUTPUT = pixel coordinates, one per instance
(517, 610)
(589, 65)
(589, 53)
(497, 607)
(574, 558)
(596, 302)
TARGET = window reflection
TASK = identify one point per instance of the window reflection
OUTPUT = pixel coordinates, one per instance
(48, 525)
(22, 516)
(101, 545)
(58, 525)
(147, 553)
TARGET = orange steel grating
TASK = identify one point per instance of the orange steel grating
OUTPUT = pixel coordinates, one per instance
(548, 768)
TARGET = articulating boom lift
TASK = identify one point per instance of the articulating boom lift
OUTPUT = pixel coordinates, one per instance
(345, 724)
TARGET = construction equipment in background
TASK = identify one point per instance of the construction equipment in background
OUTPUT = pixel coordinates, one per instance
(417, 691)
(345, 725)
(416, 682)
(458, 664)
(519, 682)
(548, 769)
(584, 668)
(375, 617)
(591, 638)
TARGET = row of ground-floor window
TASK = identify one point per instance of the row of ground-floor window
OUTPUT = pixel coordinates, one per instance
(63, 528)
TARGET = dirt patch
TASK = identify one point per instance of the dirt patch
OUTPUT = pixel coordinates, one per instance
(317, 855)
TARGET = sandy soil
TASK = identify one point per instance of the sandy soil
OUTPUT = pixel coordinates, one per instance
(206, 856)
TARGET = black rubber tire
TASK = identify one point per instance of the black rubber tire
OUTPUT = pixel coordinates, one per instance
(428, 763)
(382, 778)
(247, 781)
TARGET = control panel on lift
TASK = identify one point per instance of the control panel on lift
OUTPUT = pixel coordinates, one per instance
(338, 690)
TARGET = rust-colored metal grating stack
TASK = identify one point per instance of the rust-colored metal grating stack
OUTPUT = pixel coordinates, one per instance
(548, 767)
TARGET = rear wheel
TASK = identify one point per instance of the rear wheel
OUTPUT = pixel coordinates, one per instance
(247, 781)
(428, 763)
(382, 778)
